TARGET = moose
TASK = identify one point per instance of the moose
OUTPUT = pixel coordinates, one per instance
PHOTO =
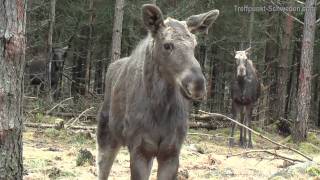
(148, 94)
(245, 91)
(38, 67)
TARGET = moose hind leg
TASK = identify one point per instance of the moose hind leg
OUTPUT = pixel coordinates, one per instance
(107, 146)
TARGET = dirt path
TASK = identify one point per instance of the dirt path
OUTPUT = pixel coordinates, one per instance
(52, 155)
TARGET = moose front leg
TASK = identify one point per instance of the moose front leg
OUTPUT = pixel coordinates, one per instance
(249, 119)
(235, 115)
(140, 165)
(243, 134)
(168, 167)
(105, 158)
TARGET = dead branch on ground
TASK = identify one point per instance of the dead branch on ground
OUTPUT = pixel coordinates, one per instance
(42, 125)
(275, 154)
(258, 134)
(77, 118)
(57, 105)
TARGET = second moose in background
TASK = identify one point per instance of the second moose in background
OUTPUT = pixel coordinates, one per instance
(245, 92)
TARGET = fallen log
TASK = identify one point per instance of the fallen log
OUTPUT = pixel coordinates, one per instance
(192, 125)
(42, 125)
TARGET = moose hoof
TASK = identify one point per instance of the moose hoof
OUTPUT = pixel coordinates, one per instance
(250, 145)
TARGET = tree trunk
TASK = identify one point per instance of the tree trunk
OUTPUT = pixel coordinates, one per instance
(12, 61)
(283, 74)
(117, 30)
(271, 55)
(89, 48)
(250, 32)
(50, 46)
(305, 74)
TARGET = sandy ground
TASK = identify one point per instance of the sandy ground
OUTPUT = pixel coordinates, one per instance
(202, 157)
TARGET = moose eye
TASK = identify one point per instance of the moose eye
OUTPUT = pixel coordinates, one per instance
(168, 46)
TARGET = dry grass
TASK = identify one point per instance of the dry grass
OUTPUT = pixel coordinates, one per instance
(52, 155)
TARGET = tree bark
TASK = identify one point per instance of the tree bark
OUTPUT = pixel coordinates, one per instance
(251, 24)
(50, 46)
(271, 56)
(12, 61)
(117, 30)
(89, 48)
(305, 74)
(283, 74)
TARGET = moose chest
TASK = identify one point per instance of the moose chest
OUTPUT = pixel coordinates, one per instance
(243, 92)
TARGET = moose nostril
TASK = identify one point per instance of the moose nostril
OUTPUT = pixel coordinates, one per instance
(199, 84)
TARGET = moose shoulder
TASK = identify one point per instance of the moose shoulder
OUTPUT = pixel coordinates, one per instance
(147, 96)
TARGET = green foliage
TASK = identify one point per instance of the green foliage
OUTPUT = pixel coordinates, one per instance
(52, 133)
(38, 117)
(81, 138)
(56, 173)
(84, 157)
(56, 134)
(313, 171)
(309, 148)
(314, 138)
(34, 164)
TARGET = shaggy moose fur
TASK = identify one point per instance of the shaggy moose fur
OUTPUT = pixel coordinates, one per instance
(147, 96)
(245, 92)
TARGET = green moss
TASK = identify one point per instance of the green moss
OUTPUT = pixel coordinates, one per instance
(314, 139)
(54, 134)
(51, 132)
(67, 174)
(41, 118)
(38, 118)
(309, 148)
(81, 138)
(84, 157)
(34, 164)
(272, 128)
(56, 173)
(313, 171)
(288, 139)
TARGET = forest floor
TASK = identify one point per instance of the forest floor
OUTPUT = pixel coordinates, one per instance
(52, 154)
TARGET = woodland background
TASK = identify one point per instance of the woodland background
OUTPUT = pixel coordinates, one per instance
(56, 126)
(87, 27)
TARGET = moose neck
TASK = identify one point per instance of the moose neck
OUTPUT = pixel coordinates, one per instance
(164, 97)
(249, 78)
(154, 78)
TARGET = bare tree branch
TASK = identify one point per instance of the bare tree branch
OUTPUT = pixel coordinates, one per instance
(80, 115)
(268, 152)
(258, 134)
(60, 103)
(300, 2)
(296, 19)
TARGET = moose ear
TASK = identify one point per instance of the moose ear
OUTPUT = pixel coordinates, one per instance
(202, 22)
(65, 48)
(152, 17)
(234, 52)
(248, 51)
